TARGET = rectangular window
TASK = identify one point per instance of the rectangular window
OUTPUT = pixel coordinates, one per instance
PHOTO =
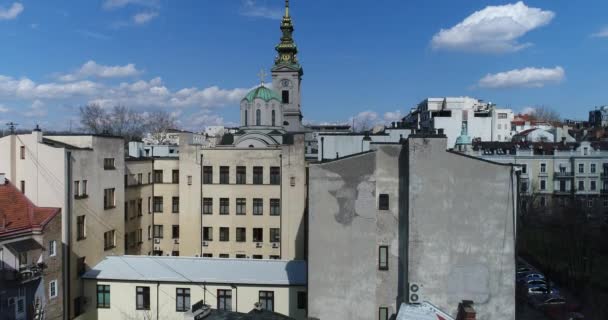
(275, 235)
(140, 207)
(592, 185)
(149, 232)
(593, 168)
(302, 300)
(175, 205)
(108, 164)
(189, 180)
(81, 228)
(207, 174)
(158, 231)
(224, 234)
(207, 233)
(258, 175)
(241, 175)
(108, 198)
(207, 205)
(581, 185)
(52, 248)
(53, 289)
(383, 258)
(182, 300)
(140, 178)
(241, 234)
(275, 207)
(383, 201)
(140, 236)
(258, 235)
(224, 206)
(274, 257)
(267, 300)
(240, 256)
(76, 189)
(543, 185)
(22, 152)
(285, 96)
(109, 240)
(158, 204)
(175, 176)
(207, 255)
(158, 176)
(84, 188)
(581, 168)
(524, 168)
(256, 256)
(224, 255)
(103, 296)
(241, 206)
(224, 175)
(142, 298)
(22, 186)
(175, 232)
(275, 175)
(224, 300)
(543, 167)
(383, 313)
(258, 207)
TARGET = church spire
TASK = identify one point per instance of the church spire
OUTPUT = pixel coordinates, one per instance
(286, 49)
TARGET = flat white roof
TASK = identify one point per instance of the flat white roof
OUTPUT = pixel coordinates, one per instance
(200, 270)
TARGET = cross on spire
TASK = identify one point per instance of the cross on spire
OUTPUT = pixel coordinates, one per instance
(287, 8)
(262, 76)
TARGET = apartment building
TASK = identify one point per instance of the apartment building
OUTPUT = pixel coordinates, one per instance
(486, 121)
(138, 206)
(556, 171)
(149, 287)
(31, 257)
(83, 176)
(401, 223)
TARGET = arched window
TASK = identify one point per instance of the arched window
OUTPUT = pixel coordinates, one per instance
(258, 117)
(273, 118)
(246, 120)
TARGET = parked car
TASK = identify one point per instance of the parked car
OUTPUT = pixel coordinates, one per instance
(537, 290)
(536, 282)
(541, 301)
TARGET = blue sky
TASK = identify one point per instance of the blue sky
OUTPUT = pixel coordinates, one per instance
(361, 58)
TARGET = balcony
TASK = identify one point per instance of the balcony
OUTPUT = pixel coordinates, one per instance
(25, 273)
(563, 175)
(604, 175)
(604, 191)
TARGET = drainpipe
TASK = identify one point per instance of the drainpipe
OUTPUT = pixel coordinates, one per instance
(68, 239)
(322, 147)
(157, 300)
(236, 297)
(201, 204)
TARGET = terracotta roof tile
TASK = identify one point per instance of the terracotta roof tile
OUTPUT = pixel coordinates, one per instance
(19, 214)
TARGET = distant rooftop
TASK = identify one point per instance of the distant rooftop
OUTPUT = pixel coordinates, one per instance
(200, 270)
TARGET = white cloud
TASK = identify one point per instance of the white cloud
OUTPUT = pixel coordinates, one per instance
(92, 69)
(253, 8)
(12, 12)
(527, 77)
(602, 33)
(3, 109)
(36, 110)
(25, 88)
(144, 17)
(393, 116)
(114, 4)
(528, 110)
(493, 29)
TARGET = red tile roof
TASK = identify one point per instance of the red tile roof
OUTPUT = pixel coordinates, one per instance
(18, 214)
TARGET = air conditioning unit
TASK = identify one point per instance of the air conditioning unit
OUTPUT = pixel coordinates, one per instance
(156, 248)
(258, 245)
(176, 241)
(414, 295)
(275, 245)
(156, 240)
(205, 244)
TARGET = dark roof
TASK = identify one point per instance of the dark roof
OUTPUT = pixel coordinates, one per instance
(546, 148)
(18, 214)
(252, 315)
(108, 136)
(59, 144)
(227, 139)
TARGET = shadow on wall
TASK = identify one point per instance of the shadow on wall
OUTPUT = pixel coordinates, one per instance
(402, 276)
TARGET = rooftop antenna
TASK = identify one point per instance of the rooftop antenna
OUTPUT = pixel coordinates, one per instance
(262, 76)
(11, 127)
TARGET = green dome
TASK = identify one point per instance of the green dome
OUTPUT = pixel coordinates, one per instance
(263, 93)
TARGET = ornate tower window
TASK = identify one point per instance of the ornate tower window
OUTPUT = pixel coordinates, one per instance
(273, 118)
(258, 117)
(246, 117)
(285, 96)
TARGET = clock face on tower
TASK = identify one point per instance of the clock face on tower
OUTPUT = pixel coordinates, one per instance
(285, 83)
(285, 57)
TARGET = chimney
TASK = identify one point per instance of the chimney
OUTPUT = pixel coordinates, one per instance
(466, 311)
(37, 132)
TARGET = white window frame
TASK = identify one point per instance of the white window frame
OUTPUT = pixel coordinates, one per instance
(53, 285)
(52, 248)
(543, 167)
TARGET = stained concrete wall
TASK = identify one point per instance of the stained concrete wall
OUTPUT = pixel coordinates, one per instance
(346, 230)
(460, 243)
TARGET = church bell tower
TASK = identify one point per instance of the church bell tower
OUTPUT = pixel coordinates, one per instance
(287, 75)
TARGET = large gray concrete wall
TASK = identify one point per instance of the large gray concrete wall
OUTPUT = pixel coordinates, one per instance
(345, 231)
(460, 243)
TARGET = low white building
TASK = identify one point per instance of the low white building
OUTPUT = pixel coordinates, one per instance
(485, 121)
(149, 287)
